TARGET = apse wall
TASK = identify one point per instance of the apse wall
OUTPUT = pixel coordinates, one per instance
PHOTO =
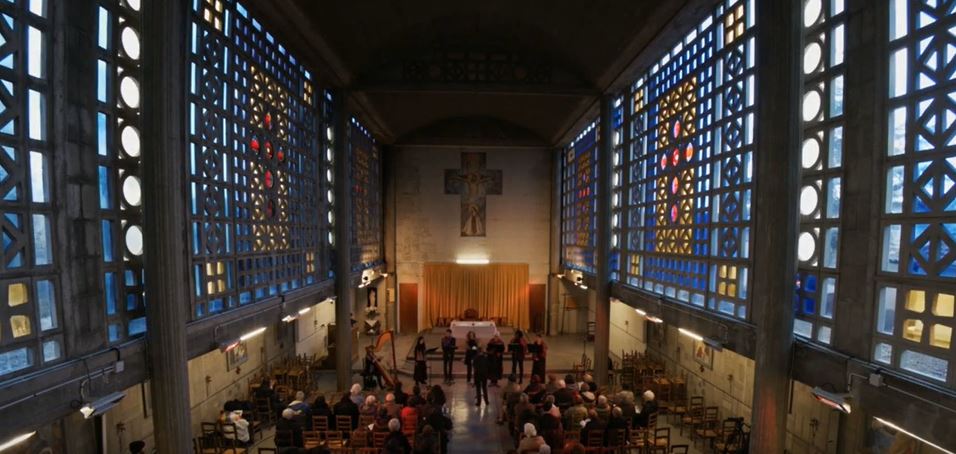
(428, 221)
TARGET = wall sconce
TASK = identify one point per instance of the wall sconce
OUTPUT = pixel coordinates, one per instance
(16, 440)
(101, 405)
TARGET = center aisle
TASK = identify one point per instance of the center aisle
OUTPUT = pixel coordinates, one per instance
(474, 429)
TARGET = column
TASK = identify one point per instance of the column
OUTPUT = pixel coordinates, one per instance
(554, 308)
(344, 291)
(866, 35)
(164, 142)
(775, 232)
(602, 285)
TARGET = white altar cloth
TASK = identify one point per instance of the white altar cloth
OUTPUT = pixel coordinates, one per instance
(483, 329)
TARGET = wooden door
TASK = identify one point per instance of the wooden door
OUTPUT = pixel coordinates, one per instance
(536, 297)
(408, 308)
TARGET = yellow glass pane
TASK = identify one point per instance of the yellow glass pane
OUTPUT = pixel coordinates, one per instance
(17, 294)
(913, 330)
(940, 336)
(722, 288)
(723, 271)
(732, 290)
(733, 273)
(221, 268)
(916, 301)
(943, 306)
(20, 325)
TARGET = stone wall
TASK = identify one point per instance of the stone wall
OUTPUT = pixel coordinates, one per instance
(811, 427)
(428, 222)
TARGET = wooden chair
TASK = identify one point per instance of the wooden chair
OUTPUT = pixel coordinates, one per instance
(343, 423)
(311, 439)
(694, 414)
(707, 429)
(616, 441)
(268, 451)
(230, 446)
(284, 438)
(595, 441)
(662, 438)
(365, 421)
(572, 435)
(680, 449)
(638, 441)
(334, 439)
(205, 445)
(730, 439)
(369, 451)
(378, 439)
(359, 439)
(320, 423)
(263, 411)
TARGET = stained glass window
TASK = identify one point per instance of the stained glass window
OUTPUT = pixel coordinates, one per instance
(29, 304)
(578, 200)
(118, 122)
(917, 266)
(618, 167)
(366, 165)
(253, 161)
(691, 166)
(821, 164)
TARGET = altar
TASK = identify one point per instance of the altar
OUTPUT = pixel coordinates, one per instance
(482, 329)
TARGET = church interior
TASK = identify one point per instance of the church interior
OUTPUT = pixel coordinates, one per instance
(375, 227)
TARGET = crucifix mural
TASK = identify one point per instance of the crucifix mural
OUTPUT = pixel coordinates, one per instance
(473, 182)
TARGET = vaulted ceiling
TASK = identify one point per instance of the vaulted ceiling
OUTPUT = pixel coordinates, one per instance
(413, 64)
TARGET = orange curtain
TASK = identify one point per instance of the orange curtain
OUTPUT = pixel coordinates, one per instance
(494, 290)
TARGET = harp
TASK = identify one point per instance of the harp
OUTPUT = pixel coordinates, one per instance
(388, 376)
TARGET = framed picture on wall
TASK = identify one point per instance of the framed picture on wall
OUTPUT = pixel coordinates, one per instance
(703, 354)
(237, 356)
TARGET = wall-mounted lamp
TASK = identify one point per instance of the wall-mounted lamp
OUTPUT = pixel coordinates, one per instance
(691, 334)
(252, 334)
(101, 405)
(640, 312)
(16, 440)
(289, 318)
(900, 429)
(305, 310)
(832, 400)
(653, 319)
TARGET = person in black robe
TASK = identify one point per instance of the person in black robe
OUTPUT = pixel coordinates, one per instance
(346, 407)
(370, 372)
(517, 355)
(481, 376)
(538, 357)
(496, 349)
(471, 349)
(421, 368)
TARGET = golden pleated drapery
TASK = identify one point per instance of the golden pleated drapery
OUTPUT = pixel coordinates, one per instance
(494, 290)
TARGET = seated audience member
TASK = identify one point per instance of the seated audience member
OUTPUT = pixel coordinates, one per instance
(239, 428)
(436, 396)
(396, 442)
(602, 408)
(393, 408)
(625, 400)
(586, 395)
(563, 397)
(287, 425)
(593, 423)
(535, 390)
(370, 407)
(573, 447)
(617, 422)
(549, 407)
(647, 409)
(589, 380)
(549, 425)
(552, 384)
(321, 408)
(401, 397)
(571, 383)
(510, 396)
(442, 424)
(356, 394)
(303, 412)
(544, 449)
(408, 416)
(530, 441)
(381, 421)
(415, 399)
(427, 441)
(346, 407)
(574, 415)
(524, 412)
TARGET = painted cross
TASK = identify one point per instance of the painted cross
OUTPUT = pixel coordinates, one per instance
(473, 182)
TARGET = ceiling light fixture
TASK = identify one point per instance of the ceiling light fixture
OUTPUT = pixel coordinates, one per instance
(252, 334)
(101, 405)
(832, 400)
(691, 334)
(304, 311)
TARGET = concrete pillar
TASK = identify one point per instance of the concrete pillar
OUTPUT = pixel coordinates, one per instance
(389, 225)
(602, 284)
(866, 82)
(164, 142)
(554, 257)
(775, 232)
(344, 291)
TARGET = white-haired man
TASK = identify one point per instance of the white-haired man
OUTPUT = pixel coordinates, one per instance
(647, 409)
(396, 442)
